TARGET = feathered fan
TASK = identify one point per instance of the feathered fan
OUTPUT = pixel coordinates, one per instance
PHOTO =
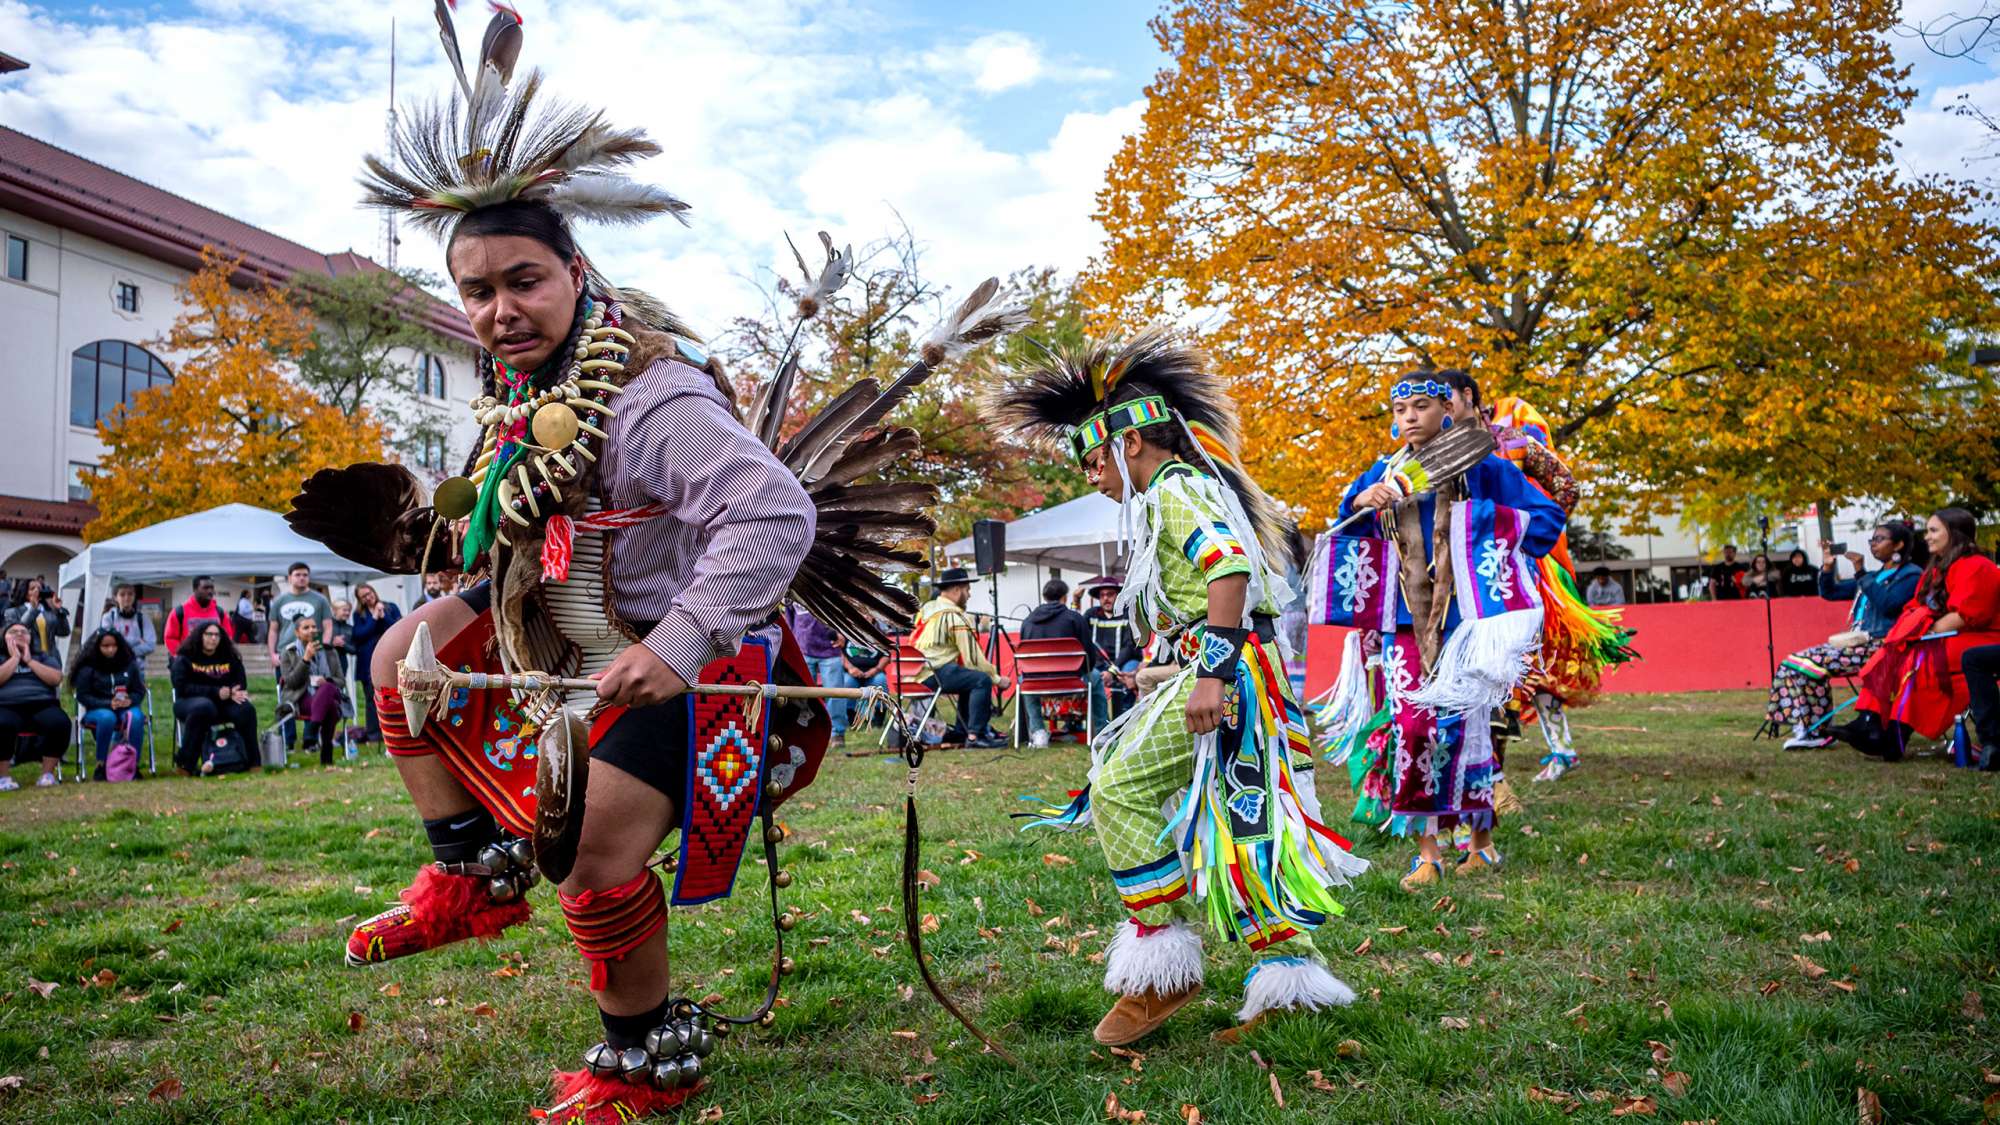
(860, 524)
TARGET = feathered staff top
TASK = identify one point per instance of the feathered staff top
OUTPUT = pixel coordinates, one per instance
(496, 142)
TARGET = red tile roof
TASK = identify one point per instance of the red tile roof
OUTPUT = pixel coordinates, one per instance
(64, 517)
(59, 187)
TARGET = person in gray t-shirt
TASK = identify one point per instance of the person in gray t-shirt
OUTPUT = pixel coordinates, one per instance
(298, 600)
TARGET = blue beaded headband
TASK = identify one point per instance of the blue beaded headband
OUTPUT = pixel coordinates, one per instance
(1410, 388)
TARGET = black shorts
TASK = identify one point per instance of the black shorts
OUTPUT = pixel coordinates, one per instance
(651, 744)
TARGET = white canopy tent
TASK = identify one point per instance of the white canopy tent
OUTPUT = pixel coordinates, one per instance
(234, 540)
(1082, 532)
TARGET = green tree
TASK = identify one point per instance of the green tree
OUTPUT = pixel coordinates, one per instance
(370, 326)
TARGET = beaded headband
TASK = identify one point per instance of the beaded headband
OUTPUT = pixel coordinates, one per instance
(1100, 428)
(1410, 388)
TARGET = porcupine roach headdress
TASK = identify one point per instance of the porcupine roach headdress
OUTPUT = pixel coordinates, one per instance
(1082, 397)
(504, 146)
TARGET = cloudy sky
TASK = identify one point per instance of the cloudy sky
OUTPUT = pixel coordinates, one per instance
(985, 126)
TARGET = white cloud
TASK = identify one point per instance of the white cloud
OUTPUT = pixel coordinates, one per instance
(776, 115)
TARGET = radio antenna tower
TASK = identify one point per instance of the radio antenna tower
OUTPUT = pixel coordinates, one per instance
(390, 238)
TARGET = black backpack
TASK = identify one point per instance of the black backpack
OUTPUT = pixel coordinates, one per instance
(224, 752)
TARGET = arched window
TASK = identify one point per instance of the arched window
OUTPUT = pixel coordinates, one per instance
(430, 376)
(108, 374)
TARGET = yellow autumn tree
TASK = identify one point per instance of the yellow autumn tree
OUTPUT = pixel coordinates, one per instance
(1676, 228)
(234, 426)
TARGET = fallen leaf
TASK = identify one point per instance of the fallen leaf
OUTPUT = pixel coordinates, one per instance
(1366, 945)
(1392, 930)
(1769, 988)
(1814, 939)
(1462, 960)
(1134, 1057)
(486, 1010)
(1635, 1107)
(170, 927)
(1662, 1054)
(926, 1099)
(929, 924)
(1553, 1097)
(1843, 985)
(859, 918)
(505, 971)
(1454, 1023)
(166, 1091)
(711, 1114)
(1851, 866)
(904, 1034)
(1811, 969)
(928, 879)
(1277, 1091)
(1434, 957)
(1115, 1112)
(1675, 1082)
(1349, 1049)
(1573, 1012)
(1190, 1115)
(1971, 1006)
(42, 988)
(1035, 909)
(1320, 1083)
(1867, 1107)
(356, 1021)
(1583, 859)
(918, 1079)
(105, 978)
(1056, 859)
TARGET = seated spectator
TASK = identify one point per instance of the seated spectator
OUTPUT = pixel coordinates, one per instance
(860, 666)
(134, 626)
(201, 606)
(1798, 578)
(210, 689)
(1981, 668)
(821, 647)
(1801, 692)
(1725, 578)
(958, 668)
(41, 610)
(312, 680)
(370, 622)
(1913, 683)
(1603, 590)
(1054, 619)
(1760, 581)
(109, 681)
(29, 704)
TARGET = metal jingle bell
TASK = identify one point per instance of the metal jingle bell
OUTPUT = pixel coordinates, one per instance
(494, 859)
(521, 851)
(786, 966)
(528, 876)
(703, 1045)
(769, 1017)
(782, 879)
(721, 1029)
(634, 1064)
(690, 1070)
(601, 1060)
(502, 890)
(683, 1009)
(661, 1043)
(667, 1074)
(786, 921)
(775, 834)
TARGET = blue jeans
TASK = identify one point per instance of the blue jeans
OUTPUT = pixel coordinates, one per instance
(103, 723)
(880, 678)
(827, 672)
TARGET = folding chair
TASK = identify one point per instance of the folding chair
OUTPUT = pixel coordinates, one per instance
(907, 671)
(1051, 666)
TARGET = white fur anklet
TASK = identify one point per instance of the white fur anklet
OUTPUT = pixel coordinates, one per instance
(1290, 982)
(1164, 962)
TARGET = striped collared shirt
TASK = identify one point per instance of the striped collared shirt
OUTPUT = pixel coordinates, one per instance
(737, 526)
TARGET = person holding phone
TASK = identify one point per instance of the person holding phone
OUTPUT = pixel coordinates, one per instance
(313, 677)
(109, 680)
(1914, 683)
(43, 613)
(29, 675)
(1802, 691)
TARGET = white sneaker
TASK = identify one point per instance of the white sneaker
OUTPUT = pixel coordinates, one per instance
(8, 784)
(45, 781)
(1038, 739)
(1807, 742)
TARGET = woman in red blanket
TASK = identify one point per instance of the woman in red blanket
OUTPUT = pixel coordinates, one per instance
(1914, 682)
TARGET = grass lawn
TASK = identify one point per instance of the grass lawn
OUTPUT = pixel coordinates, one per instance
(1732, 933)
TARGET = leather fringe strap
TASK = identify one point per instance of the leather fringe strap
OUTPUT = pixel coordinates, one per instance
(611, 923)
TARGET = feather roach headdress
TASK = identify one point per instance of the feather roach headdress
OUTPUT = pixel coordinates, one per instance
(1082, 397)
(499, 141)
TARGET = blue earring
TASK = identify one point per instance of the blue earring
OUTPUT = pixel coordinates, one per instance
(1446, 423)
(1395, 432)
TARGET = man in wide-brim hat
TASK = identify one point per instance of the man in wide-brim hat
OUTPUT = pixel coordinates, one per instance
(951, 647)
